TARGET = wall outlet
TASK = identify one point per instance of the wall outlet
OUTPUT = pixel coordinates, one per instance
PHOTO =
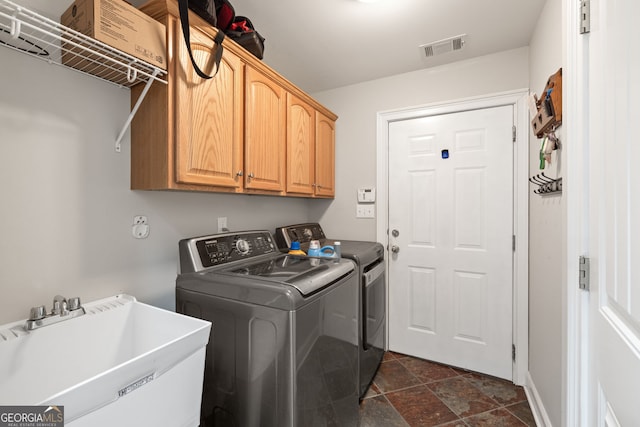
(365, 211)
(139, 219)
(222, 224)
(140, 228)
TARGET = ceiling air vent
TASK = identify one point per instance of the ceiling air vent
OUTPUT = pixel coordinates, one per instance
(443, 46)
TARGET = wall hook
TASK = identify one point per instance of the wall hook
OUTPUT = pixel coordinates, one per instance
(132, 73)
(545, 184)
(15, 25)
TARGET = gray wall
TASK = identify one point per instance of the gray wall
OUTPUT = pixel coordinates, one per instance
(67, 211)
(357, 106)
(546, 248)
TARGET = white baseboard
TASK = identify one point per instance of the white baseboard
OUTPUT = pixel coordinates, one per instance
(537, 408)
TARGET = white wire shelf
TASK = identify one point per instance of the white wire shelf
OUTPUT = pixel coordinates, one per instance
(38, 36)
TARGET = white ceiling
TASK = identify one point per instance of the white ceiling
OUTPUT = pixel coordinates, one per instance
(324, 44)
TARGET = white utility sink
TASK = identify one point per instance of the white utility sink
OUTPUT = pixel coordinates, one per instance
(123, 363)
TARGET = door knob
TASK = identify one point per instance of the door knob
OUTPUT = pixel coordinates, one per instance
(395, 233)
(395, 249)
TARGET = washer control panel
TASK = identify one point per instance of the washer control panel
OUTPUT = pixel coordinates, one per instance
(224, 248)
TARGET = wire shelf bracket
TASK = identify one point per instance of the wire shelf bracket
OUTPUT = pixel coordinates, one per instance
(38, 36)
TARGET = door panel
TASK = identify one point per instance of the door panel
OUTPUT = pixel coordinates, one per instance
(451, 201)
(422, 287)
(469, 208)
(208, 117)
(301, 156)
(613, 194)
(265, 132)
(325, 156)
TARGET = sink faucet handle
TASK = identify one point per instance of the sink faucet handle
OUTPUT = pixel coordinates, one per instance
(38, 313)
(74, 303)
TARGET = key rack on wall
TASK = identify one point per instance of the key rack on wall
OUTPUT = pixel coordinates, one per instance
(548, 109)
(546, 185)
(40, 37)
(546, 117)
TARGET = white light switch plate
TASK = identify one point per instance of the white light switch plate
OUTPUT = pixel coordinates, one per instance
(365, 211)
(222, 224)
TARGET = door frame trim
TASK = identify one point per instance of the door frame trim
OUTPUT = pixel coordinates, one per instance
(518, 99)
(576, 399)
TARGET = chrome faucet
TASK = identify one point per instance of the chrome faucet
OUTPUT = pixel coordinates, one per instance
(63, 309)
(59, 306)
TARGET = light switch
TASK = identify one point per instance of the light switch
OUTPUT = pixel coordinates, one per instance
(365, 211)
(222, 224)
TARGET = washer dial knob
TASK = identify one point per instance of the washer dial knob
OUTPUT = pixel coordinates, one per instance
(242, 246)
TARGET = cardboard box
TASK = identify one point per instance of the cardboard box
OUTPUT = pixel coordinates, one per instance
(119, 25)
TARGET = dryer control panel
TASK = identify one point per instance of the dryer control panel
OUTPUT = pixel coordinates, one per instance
(303, 233)
(203, 252)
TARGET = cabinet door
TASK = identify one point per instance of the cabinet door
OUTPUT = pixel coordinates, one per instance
(301, 153)
(208, 115)
(325, 156)
(265, 132)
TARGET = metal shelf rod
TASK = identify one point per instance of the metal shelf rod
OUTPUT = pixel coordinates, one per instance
(134, 110)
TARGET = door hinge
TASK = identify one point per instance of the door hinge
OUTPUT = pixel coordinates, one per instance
(513, 352)
(585, 16)
(513, 133)
(583, 273)
(513, 242)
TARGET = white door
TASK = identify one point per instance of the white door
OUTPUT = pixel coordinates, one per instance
(614, 214)
(451, 222)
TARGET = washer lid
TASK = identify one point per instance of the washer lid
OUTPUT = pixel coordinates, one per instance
(362, 252)
(306, 274)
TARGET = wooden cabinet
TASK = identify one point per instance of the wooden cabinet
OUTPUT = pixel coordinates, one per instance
(265, 137)
(228, 133)
(188, 134)
(208, 117)
(301, 154)
(310, 150)
(325, 155)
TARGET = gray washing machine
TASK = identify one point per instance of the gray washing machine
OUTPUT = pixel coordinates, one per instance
(369, 258)
(284, 341)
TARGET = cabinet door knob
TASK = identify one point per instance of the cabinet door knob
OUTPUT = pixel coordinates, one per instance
(239, 173)
(251, 175)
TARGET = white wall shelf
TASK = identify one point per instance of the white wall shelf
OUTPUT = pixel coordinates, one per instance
(40, 37)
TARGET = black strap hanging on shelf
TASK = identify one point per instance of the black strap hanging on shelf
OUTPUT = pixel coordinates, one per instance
(183, 6)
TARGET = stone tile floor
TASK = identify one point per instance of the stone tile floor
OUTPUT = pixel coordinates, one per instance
(413, 392)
